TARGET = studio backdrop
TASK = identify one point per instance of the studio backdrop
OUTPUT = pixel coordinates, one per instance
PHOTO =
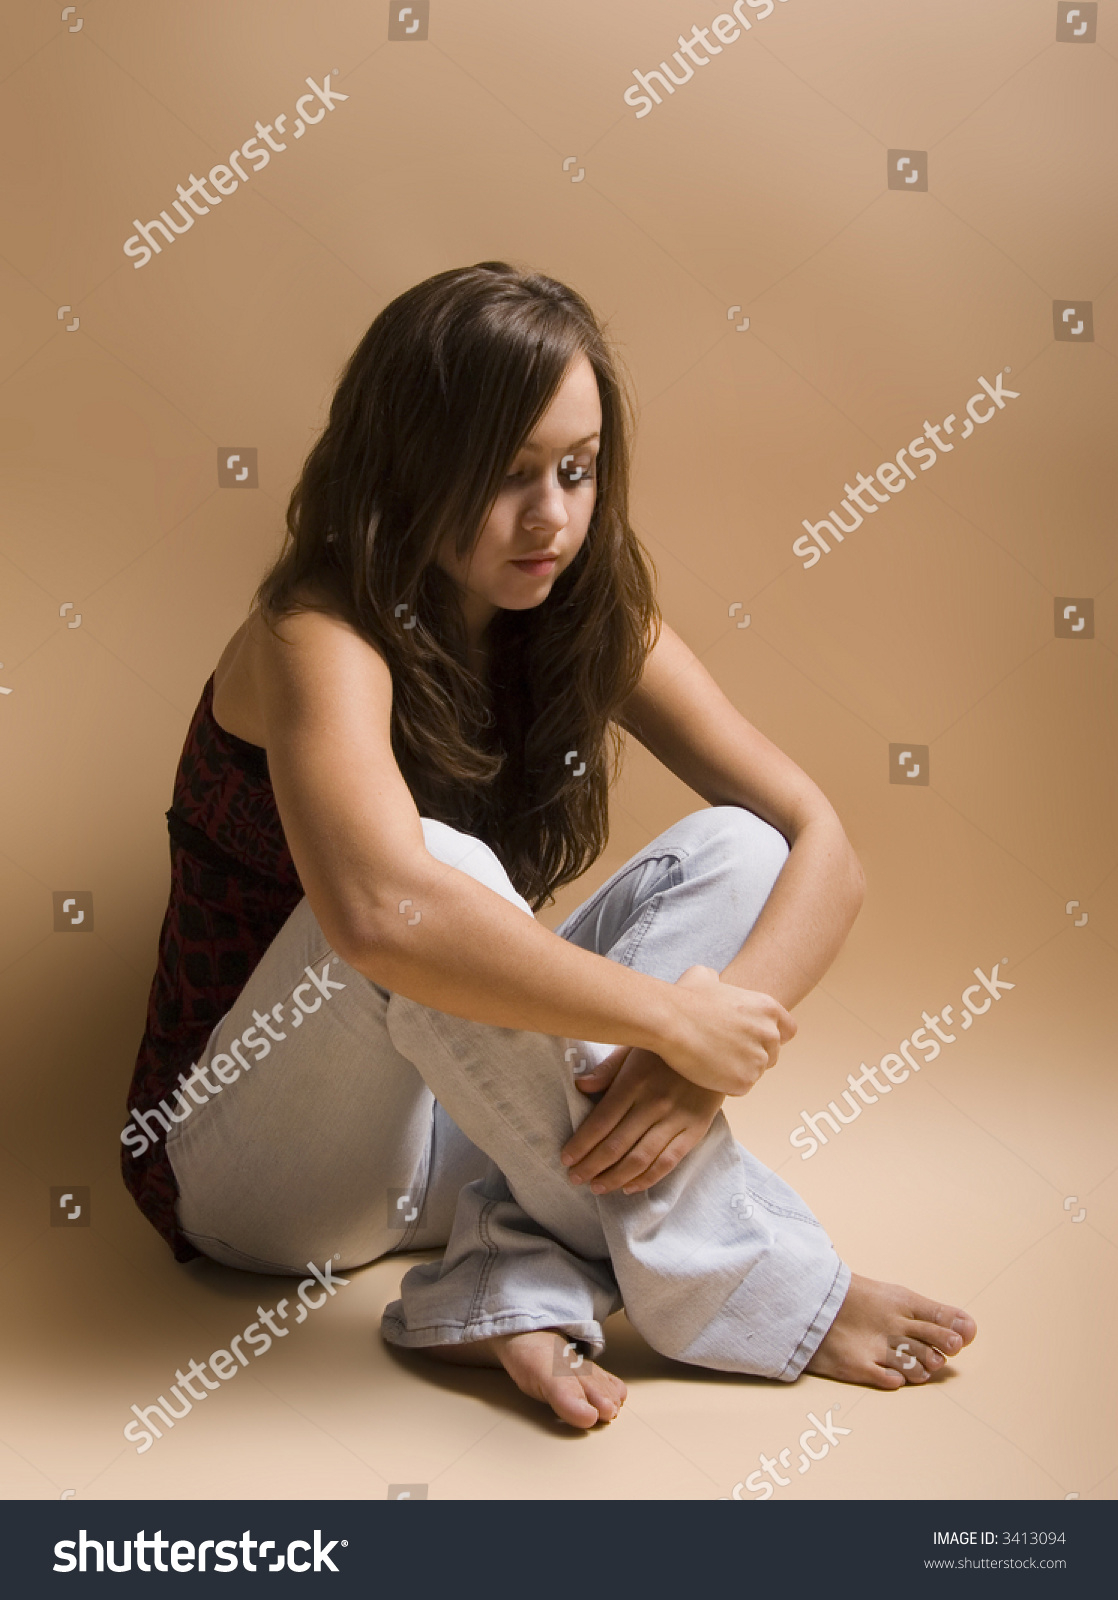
(859, 261)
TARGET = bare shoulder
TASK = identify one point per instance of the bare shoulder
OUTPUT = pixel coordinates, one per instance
(305, 658)
(668, 658)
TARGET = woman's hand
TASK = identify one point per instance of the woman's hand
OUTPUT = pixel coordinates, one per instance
(645, 1123)
(652, 1112)
(725, 1036)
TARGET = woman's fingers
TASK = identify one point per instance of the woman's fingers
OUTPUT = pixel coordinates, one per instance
(646, 1108)
(786, 1022)
(624, 1143)
(669, 1158)
(637, 1164)
(604, 1118)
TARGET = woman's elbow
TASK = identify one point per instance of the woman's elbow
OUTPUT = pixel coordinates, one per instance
(356, 929)
(857, 883)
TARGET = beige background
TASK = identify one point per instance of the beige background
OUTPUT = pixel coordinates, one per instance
(761, 184)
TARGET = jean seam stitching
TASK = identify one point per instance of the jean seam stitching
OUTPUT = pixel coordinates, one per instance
(434, 1022)
(677, 852)
(261, 1264)
(644, 922)
(778, 1210)
(485, 1273)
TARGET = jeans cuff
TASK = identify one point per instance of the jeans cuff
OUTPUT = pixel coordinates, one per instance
(396, 1329)
(820, 1323)
(502, 1272)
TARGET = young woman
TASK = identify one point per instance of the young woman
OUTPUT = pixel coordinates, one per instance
(357, 1042)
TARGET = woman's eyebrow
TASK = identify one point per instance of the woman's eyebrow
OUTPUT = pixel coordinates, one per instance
(531, 445)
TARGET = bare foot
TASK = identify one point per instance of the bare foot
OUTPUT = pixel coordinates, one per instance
(886, 1336)
(583, 1395)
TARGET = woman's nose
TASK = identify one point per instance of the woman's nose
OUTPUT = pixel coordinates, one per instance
(548, 504)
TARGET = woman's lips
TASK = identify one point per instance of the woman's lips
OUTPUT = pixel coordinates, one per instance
(537, 569)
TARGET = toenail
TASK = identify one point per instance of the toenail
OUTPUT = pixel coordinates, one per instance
(959, 1325)
(953, 1341)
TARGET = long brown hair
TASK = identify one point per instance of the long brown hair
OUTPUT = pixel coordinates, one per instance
(431, 409)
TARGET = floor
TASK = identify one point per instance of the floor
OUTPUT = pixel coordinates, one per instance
(988, 1179)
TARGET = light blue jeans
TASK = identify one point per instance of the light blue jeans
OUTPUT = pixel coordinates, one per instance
(374, 1124)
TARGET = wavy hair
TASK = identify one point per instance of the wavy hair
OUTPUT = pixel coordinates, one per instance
(430, 412)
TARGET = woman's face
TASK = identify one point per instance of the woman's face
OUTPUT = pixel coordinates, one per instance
(542, 510)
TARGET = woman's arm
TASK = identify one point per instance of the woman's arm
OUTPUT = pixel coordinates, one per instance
(681, 715)
(648, 1116)
(805, 921)
(325, 699)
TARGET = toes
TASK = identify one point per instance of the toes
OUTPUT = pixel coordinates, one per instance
(582, 1395)
(937, 1335)
(614, 1386)
(958, 1321)
(950, 1318)
(603, 1390)
(903, 1357)
(913, 1359)
(605, 1408)
(566, 1398)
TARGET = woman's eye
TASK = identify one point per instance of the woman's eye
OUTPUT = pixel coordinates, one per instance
(572, 474)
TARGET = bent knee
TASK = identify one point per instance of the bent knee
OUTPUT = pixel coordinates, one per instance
(748, 825)
(738, 839)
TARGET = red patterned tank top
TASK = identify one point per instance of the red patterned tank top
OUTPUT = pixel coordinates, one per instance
(233, 886)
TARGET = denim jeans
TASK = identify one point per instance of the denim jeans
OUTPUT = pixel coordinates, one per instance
(375, 1124)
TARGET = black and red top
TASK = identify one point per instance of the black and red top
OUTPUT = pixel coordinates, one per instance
(233, 886)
